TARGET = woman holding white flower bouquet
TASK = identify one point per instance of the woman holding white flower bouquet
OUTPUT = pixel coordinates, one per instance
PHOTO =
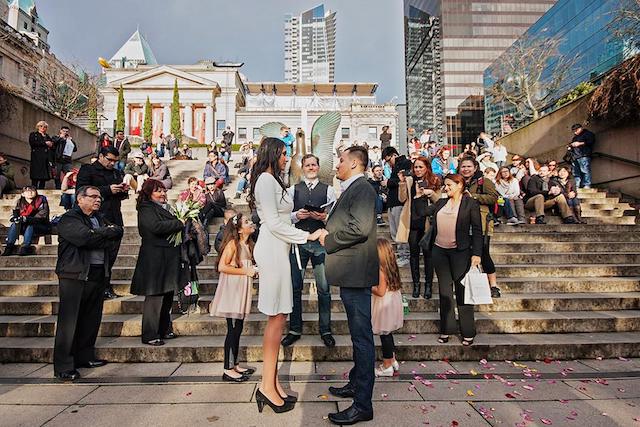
(269, 196)
(157, 272)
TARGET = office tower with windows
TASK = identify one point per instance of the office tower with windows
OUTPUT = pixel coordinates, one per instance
(585, 32)
(310, 46)
(448, 44)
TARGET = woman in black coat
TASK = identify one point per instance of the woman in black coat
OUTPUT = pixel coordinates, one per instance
(454, 250)
(41, 161)
(158, 267)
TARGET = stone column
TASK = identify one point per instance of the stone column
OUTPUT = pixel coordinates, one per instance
(127, 119)
(208, 124)
(188, 120)
(166, 119)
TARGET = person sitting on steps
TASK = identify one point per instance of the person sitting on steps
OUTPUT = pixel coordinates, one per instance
(30, 218)
(545, 193)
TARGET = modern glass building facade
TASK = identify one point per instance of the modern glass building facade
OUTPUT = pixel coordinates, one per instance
(310, 46)
(584, 30)
(448, 45)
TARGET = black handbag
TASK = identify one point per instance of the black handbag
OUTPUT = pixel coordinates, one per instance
(425, 242)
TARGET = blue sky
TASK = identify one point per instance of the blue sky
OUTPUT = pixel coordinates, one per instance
(370, 41)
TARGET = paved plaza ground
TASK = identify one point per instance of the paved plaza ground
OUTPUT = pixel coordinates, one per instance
(579, 393)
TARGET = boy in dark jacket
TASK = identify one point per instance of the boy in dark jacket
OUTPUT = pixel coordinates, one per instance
(543, 192)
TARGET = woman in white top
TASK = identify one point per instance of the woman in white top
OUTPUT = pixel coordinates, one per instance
(269, 196)
(509, 188)
(499, 154)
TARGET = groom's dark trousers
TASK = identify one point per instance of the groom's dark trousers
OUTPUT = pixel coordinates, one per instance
(357, 304)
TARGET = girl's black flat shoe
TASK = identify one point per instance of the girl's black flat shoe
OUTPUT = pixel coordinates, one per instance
(443, 339)
(157, 342)
(231, 379)
(467, 342)
(247, 371)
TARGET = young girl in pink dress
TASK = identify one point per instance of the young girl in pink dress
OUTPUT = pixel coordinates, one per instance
(232, 299)
(386, 307)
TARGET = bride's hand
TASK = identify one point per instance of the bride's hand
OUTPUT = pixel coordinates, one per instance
(315, 235)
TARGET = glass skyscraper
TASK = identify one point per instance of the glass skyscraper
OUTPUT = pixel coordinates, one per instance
(310, 46)
(448, 44)
(584, 32)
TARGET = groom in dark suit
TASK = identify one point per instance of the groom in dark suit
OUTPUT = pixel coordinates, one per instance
(352, 264)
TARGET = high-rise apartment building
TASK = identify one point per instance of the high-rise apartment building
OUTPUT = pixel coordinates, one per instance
(310, 46)
(448, 45)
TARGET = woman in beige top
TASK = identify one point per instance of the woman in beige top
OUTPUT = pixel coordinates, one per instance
(456, 245)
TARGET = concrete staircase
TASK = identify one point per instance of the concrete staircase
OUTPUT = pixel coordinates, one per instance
(569, 291)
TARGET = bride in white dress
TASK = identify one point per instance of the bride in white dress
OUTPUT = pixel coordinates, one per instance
(275, 294)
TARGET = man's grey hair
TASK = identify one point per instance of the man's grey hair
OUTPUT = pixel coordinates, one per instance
(82, 191)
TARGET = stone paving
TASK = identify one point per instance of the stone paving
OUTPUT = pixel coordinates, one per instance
(438, 393)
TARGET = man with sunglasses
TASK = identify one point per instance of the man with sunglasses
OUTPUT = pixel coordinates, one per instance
(104, 175)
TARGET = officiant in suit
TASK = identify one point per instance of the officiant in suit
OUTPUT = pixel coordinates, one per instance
(352, 264)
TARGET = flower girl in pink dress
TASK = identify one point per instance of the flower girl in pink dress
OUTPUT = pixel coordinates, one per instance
(232, 299)
(386, 307)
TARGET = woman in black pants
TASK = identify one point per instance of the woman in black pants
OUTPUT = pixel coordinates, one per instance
(158, 267)
(419, 191)
(454, 251)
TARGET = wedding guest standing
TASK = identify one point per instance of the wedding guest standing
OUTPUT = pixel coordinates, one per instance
(233, 293)
(157, 270)
(41, 161)
(85, 241)
(456, 245)
(269, 196)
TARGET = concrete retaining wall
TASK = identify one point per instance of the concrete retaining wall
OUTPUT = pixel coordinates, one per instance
(14, 136)
(547, 138)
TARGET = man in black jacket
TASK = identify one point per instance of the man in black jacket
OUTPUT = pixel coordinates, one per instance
(103, 175)
(400, 165)
(581, 148)
(64, 147)
(543, 192)
(85, 243)
(352, 264)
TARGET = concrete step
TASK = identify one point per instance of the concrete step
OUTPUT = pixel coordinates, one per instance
(499, 258)
(503, 271)
(496, 248)
(130, 325)
(512, 285)
(310, 348)
(509, 302)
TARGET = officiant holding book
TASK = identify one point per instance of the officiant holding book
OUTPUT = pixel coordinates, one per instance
(312, 199)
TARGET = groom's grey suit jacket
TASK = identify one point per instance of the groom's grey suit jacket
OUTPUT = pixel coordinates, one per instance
(352, 255)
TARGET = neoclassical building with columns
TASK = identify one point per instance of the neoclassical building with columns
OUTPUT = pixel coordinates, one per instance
(216, 95)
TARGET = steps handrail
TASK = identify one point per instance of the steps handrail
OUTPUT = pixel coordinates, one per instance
(619, 159)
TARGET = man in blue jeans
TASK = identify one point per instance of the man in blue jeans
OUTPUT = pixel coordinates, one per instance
(352, 264)
(581, 148)
(309, 192)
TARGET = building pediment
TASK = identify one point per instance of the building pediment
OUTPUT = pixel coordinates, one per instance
(164, 77)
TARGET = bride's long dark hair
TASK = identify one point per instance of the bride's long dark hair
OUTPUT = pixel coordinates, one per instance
(269, 154)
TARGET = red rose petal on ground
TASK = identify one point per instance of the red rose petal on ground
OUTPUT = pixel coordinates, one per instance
(546, 421)
(510, 396)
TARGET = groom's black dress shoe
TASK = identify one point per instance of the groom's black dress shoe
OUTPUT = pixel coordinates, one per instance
(345, 392)
(350, 416)
(92, 363)
(289, 339)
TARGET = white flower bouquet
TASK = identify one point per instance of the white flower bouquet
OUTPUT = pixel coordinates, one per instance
(184, 211)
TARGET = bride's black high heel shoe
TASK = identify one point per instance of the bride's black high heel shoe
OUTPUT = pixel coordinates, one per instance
(262, 400)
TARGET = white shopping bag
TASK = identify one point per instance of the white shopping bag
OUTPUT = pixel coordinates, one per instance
(476, 287)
